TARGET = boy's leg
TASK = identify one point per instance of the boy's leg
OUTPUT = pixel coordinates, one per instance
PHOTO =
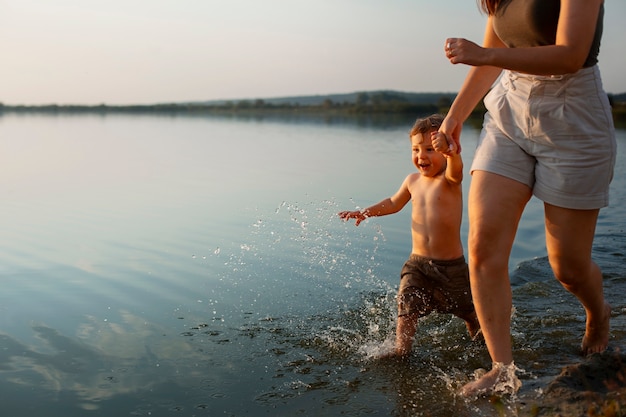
(472, 324)
(460, 297)
(412, 301)
(405, 332)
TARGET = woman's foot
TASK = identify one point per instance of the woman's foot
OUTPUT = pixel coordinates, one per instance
(596, 337)
(500, 380)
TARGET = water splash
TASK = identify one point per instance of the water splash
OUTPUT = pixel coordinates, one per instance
(501, 380)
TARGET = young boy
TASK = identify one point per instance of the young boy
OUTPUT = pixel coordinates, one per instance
(436, 277)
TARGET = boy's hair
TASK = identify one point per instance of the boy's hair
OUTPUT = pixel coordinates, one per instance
(426, 124)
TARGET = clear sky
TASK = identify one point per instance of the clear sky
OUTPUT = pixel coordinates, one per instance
(154, 51)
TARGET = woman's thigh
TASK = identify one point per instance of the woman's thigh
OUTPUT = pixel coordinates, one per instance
(495, 206)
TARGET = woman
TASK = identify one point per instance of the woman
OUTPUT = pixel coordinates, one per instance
(548, 132)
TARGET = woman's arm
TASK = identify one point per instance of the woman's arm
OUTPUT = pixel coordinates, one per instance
(575, 32)
(477, 82)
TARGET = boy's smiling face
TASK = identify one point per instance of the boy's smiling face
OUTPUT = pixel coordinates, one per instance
(425, 158)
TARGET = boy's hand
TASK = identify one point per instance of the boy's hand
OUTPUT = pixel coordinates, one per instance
(358, 215)
(441, 143)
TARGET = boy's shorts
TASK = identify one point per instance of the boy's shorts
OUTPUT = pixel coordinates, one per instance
(428, 285)
(553, 133)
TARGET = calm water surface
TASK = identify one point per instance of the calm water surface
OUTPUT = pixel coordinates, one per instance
(188, 266)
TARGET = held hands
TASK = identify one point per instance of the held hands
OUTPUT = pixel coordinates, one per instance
(451, 128)
(358, 215)
(442, 145)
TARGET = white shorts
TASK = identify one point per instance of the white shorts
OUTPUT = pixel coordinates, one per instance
(554, 134)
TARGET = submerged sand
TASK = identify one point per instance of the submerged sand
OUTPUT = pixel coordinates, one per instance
(594, 387)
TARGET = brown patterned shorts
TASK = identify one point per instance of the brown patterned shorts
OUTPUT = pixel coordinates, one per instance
(428, 285)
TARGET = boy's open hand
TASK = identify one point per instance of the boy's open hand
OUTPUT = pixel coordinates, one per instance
(441, 143)
(347, 215)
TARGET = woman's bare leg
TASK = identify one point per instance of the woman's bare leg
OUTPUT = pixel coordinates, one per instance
(496, 204)
(569, 240)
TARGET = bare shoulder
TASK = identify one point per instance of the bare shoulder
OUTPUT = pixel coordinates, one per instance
(412, 177)
(412, 180)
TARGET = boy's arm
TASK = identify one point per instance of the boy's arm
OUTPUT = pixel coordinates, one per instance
(454, 170)
(454, 166)
(387, 206)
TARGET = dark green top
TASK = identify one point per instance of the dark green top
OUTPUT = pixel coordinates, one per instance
(523, 23)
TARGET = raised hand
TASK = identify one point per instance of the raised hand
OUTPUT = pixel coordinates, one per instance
(358, 215)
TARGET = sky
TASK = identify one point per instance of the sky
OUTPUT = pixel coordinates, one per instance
(161, 51)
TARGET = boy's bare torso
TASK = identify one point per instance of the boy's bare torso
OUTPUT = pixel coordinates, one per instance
(436, 215)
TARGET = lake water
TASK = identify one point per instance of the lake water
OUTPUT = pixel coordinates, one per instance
(195, 266)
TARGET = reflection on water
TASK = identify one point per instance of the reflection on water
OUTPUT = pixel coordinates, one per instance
(119, 364)
(196, 266)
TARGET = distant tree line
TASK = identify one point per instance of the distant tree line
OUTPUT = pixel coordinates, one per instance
(618, 106)
(364, 103)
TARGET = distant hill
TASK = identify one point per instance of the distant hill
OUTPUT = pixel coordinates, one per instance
(360, 103)
(363, 97)
(618, 98)
(385, 96)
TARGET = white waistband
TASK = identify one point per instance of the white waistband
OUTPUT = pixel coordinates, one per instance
(532, 77)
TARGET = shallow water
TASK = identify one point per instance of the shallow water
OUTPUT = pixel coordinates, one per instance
(196, 266)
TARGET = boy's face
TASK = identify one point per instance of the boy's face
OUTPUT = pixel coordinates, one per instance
(426, 159)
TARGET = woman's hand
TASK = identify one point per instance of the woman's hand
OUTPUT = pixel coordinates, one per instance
(462, 51)
(451, 129)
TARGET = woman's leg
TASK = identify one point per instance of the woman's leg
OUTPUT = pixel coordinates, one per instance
(569, 240)
(495, 206)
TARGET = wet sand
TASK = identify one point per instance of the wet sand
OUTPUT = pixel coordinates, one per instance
(594, 387)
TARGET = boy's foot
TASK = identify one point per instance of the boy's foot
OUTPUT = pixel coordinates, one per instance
(596, 337)
(500, 380)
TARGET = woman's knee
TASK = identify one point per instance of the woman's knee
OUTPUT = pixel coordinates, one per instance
(484, 255)
(573, 275)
